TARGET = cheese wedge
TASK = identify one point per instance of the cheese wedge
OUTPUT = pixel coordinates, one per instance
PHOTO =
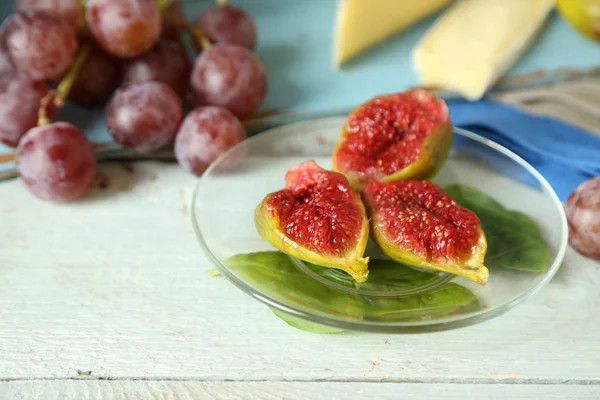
(476, 41)
(360, 24)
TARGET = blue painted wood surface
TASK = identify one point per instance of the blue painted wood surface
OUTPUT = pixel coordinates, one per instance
(295, 45)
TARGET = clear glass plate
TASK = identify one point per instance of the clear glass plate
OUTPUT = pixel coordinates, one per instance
(409, 301)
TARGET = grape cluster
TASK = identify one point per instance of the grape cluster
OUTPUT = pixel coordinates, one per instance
(128, 57)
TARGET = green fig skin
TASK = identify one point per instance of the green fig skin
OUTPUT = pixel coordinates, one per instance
(270, 227)
(433, 149)
(470, 266)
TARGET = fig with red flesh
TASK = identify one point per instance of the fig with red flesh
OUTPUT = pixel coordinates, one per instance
(317, 218)
(394, 137)
(416, 223)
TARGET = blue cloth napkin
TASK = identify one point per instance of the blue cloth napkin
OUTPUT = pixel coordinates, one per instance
(564, 154)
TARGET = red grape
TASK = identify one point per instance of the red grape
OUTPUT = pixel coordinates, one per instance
(56, 162)
(170, 30)
(125, 28)
(144, 116)
(39, 43)
(70, 9)
(583, 214)
(19, 104)
(98, 77)
(229, 76)
(5, 65)
(167, 62)
(205, 134)
(227, 24)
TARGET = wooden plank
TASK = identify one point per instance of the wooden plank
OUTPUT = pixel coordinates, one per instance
(175, 390)
(115, 287)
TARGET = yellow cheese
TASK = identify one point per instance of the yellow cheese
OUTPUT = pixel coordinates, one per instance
(476, 41)
(360, 24)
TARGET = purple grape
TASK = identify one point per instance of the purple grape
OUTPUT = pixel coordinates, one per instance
(167, 62)
(98, 77)
(205, 134)
(226, 24)
(39, 43)
(144, 116)
(124, 28)
(19, 104)
(56, 162)
(70, 9)
(231, 77)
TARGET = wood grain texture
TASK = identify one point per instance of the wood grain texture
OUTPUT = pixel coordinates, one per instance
(188, 390)
(115, 287)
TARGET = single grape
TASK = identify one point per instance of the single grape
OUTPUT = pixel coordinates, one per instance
(226, 24)
(70, 9)
(583, 215)
(125, 28)
(56, 162)
(144, 116)
(98, 77)
(171, 30)
(205, 134)
(39, 43)
(5, 65)
(229, 76)
(167, 62)
(19, 104)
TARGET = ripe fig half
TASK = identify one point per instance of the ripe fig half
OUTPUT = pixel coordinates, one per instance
(317, 218)
(416, 223)
(392, 137)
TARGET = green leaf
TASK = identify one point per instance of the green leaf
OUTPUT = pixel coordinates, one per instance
(514, 239)
(304, 325)
(274, 274)
(385, 275)
(213, 272)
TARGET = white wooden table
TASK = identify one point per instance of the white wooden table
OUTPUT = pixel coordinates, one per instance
(109, 298)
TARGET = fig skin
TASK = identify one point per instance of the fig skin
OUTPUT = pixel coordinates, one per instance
(352, 261)
(434, 148)
(472, 268)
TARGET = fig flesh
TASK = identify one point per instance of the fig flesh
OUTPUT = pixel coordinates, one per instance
(416, 223)
(394, 137)
(317, 218)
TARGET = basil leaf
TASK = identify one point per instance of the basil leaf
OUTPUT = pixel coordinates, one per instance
(514, 239)
(274, 274)
(304, 325)
(385, 275)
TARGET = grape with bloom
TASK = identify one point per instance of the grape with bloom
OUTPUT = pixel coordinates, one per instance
(231, 77)
(39, 43)
(167, 62)
(98, 77)
(583, 215)
(70, 9)
(226, 24)
(19, 104)
(205, 134)
(144, 116)
(125, 28)
(56, 162)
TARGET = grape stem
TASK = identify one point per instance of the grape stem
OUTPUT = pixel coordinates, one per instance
(222, 3)
(62, 91)
(196, 33)
(43, 118)
(163, 5)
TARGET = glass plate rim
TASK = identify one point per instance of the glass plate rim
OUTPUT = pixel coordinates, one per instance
(388, 327)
